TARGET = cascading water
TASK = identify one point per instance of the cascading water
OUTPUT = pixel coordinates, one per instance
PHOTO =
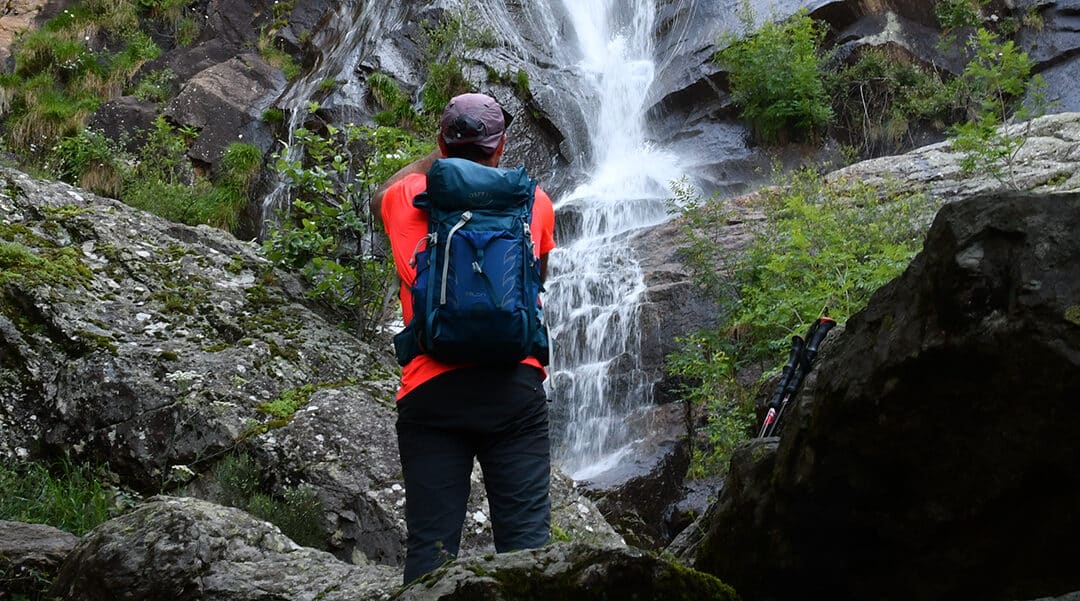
(353, 27)
(596, 284)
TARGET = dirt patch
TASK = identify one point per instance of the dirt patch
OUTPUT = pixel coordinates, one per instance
(20, 15)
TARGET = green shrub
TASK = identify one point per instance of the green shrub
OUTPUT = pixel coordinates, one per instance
(445, 80)
(325, 233)
(958, 14)
(155, 86)
(878, 100)
(821, 246)
(397, 110)
(90, 160)
(776, 77)
(297, 511)
(71, 497)
(273, 116)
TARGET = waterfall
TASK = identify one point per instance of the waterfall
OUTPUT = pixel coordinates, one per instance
(347, 37)
(593, 294)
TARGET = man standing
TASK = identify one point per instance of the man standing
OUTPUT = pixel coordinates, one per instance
(450, 414)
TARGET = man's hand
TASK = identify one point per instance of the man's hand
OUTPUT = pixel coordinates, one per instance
(420, 165)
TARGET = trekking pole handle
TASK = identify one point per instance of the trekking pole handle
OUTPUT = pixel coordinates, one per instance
(813, 341)
(814, 338)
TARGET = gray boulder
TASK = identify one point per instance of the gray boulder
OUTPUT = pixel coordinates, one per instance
(145, 344)
(926, 453)
(225, 103)
(30, 554)
(568, 571)
(185, 549)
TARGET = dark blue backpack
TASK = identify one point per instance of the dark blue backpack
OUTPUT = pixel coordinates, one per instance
(476, 293)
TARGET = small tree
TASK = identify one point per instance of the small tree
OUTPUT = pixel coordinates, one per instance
(327, 233)
(995, 83)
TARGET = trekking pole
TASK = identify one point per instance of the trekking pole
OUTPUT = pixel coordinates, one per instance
(778, 399)
(804, 354)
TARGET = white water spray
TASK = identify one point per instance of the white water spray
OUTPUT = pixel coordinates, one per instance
(351, 31)
(596, 285)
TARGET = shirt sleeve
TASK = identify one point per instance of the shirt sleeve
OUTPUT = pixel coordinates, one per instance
(544, 219)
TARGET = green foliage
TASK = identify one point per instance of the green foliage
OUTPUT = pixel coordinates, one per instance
(445, 80)
(71, 497)
(958, 14)
(776, 76)
(58, 81)
(326, 234)
(994, 85)
(280, 59)
(273, 116)
(448, 46)
(160, 179)
(90, 160)
(155, 86)
(521, 83)
(706, 373)
(397, 110)
(297, 511)
(878, 99)
(822, 246)
(288, 402)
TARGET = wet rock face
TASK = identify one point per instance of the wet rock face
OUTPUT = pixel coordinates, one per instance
(924, 459)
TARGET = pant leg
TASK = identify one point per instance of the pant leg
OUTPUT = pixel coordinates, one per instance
(436, 465)
(516, 462)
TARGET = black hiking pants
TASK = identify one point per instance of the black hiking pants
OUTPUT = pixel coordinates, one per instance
(497, 415)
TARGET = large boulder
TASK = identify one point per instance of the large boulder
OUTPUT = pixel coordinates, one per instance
(225, 103)
(30, 554)
(924, 459)
(131, 340)
(572, 572)
(185, 549)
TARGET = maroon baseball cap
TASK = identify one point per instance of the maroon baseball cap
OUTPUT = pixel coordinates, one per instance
(475, 119)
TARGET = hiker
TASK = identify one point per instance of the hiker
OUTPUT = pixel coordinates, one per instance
(450, 413)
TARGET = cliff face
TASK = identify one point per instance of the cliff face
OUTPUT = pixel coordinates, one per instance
(926, 454)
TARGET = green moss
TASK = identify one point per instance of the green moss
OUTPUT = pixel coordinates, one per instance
(169, 356)
(285, 352)
(235, 266)
(100, 341)
(558, 535)
(1072, 315)
(21, 265)
(289, 402)
(63, 213)
(216, 347)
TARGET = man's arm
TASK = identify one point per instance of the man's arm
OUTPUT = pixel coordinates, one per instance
(420, 165)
